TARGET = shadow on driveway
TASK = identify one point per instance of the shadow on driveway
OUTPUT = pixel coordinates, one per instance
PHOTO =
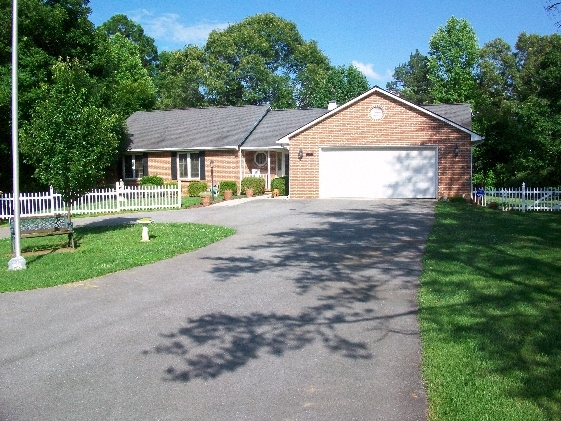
(354, 271)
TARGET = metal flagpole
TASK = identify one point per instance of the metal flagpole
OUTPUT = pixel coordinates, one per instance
(17, 262)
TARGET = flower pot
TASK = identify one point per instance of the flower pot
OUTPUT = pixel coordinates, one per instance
(276, 192)
(249, 192)
(205, 200)
(227, 194)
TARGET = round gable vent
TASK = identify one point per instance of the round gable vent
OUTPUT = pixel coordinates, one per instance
(376, 113)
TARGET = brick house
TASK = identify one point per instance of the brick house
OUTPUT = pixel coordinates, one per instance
(181, 143)
(375, 146)
(379, 145)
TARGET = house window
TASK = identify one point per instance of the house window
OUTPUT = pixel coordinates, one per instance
(133, 166)
(188, 165)
(260, 158)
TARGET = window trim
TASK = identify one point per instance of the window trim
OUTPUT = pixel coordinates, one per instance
(187, 155)
(255, 159)
(137, 166)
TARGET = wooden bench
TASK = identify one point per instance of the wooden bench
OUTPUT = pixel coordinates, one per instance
(43, 226)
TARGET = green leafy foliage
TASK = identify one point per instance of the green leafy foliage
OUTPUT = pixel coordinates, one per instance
(195, 188)
(124, 83)
(339, 83)
(47, 30)
(281, 184)
(452, 61)
(411, 81)
(257, 184)
(121, 24)
(71, 140)
(228, 185)
(180, 78)
(152, 180)
(518, 111)
(258, 60)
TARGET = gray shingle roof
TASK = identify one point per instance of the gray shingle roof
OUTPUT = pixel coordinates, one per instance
(277, 124)
(193, 128)
(458, 113)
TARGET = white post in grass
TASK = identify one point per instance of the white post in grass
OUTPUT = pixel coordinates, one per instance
(17, 262)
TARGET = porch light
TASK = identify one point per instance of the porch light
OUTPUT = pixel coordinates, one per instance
(456, 151)
(300, 154)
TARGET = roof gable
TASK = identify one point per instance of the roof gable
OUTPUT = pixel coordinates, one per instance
(193, 128)
(378, 90)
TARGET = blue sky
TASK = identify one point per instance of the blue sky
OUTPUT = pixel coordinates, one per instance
(374, 35)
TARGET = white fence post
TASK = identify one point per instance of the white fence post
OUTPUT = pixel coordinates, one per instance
(179, 192)
(523, 197)
(52, 194)
(118, 194)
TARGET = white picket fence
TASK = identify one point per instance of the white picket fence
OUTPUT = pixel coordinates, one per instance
(523, 199)
(97, 201)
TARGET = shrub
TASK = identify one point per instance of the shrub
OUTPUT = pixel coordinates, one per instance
(281, 184)
(255, 183)
(151, 180)
(196, 187)
(228, 185)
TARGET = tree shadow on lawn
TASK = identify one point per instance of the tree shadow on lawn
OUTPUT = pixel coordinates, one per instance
(345, 263)
(512, 313)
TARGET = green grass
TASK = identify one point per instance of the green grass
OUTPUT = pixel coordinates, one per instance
(99, 251)
(490, 312)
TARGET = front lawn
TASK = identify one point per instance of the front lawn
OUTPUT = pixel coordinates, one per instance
(490, 312)
(99, 251)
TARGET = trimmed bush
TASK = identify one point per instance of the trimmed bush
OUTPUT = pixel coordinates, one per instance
(280, 183)
(151, 180)
(255, 183)
(228, 185)
(196, 187)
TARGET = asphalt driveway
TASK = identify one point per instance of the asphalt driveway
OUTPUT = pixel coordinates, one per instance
(308, 312)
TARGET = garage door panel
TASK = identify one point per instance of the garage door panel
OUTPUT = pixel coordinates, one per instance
(383, 173)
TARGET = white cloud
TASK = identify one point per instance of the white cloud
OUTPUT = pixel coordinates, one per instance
(168, 28)
(368, 71)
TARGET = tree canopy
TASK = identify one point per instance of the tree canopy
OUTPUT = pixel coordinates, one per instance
(452, 60)
(262, 59)
(121, 24)
(70, 139)
(411, 81)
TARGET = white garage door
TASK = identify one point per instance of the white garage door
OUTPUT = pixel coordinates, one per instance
(378, 173)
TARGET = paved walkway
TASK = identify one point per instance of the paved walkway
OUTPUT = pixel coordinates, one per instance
(308, 312)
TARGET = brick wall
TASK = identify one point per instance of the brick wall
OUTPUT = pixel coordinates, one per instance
(401, 126)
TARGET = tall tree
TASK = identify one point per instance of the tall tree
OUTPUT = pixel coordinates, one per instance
(340, 84)
(519, 112)
(411, 81)
(180, 78)
(453, 56)
(121, 24)
(71, 140)
(47, 30)
(125, 84)
(258, 60)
